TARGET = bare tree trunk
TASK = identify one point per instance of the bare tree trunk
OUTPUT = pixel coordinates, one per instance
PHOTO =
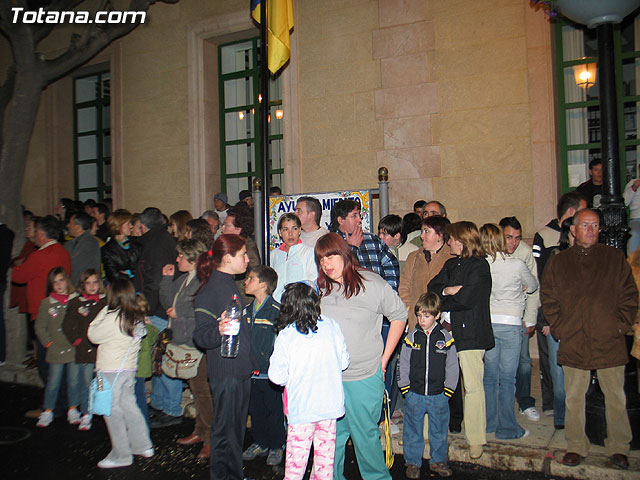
(27, 77)
(17, 132)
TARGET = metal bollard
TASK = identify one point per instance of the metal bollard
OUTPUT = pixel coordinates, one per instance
(383, 191)
(257, 216)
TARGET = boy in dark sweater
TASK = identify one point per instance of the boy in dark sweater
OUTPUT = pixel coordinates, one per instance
(265, 403)
(428, 375)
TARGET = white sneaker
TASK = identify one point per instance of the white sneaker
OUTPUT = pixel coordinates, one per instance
(531, 413)
(85, 422)
(525, 434)
(148, 453)
(108, 463)
(73, 416)
(45, 419)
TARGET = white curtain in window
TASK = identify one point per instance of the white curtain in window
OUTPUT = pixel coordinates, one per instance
(576, 118)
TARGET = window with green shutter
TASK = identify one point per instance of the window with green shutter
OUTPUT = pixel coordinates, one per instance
(240, 121)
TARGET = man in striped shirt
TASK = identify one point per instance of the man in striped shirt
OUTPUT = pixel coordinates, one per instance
(372, 253)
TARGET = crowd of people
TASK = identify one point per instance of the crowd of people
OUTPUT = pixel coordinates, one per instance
(437, 314)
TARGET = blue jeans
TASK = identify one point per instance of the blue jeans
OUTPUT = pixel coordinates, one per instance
(79, 376)
(141, 397)
(437, 408)
(54, 381)
(166, 394)
(523, 375)
(500, 365)
(557, 375)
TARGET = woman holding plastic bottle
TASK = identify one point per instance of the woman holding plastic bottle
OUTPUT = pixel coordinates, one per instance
(229, 377)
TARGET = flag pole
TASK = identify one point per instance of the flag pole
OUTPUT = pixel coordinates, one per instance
(264, 112)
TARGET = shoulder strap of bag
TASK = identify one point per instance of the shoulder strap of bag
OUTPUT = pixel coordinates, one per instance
(124, 360)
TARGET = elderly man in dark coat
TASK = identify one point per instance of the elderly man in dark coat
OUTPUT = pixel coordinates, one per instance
(590, 300)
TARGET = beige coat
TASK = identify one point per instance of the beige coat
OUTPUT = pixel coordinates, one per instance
(112, 343)
(416, 276)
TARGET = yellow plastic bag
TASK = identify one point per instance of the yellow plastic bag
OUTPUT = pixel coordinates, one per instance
(388, 449)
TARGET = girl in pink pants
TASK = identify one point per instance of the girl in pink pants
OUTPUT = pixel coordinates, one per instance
(308, 358)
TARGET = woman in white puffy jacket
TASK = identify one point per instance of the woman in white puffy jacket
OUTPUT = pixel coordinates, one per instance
(293, 261)
(511, 281)
(117, 331)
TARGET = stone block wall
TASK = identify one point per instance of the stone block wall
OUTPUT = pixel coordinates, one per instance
(454, 97)
(479, 63)
(338, 77)
(407, 101)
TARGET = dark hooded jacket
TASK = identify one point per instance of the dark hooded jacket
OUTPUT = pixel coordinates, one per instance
(158, 250)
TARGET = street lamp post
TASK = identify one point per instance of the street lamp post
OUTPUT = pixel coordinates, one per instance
(614, 231)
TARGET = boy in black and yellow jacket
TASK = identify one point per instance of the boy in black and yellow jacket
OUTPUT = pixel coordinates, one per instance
(265, 403)
(428, 375)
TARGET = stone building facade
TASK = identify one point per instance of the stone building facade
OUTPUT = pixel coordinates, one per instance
(455, 97)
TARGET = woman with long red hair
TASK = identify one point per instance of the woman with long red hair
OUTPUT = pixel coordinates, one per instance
(358, 299)
(229, 378)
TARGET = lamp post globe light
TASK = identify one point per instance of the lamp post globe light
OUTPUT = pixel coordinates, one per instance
(602, 15)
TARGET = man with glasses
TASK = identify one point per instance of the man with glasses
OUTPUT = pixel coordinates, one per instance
(590, 301)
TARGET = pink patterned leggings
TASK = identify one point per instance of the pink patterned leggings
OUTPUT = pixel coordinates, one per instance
(299, 439)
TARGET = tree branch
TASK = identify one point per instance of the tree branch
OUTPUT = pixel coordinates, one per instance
(93, 40)
(41, 31)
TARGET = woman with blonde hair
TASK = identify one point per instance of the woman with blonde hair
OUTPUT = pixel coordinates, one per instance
(511, 280)
(464, 285)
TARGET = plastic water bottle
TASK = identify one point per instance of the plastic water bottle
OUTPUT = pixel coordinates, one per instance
(231, 339)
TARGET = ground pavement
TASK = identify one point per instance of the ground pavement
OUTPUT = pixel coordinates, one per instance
(535, 454)
(541, 451)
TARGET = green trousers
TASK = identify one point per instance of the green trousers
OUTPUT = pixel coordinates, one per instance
(363, 404)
